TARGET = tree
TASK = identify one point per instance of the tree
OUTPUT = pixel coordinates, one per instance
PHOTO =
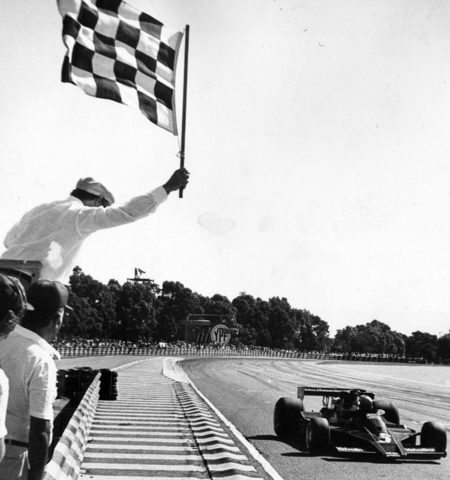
(135, 312)
(173, 305)
(422, 345)
(443, 348)
(218, 305)
(167, 329)
(375, 337)
(280, 326)
(253, 315)
(312, 332)
(94, 307)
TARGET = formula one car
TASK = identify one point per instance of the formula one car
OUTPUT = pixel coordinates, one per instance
(352, 421)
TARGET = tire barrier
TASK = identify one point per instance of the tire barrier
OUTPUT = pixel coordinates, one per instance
(74, 383)
(108, 384)
(69, 451)
(225, 352)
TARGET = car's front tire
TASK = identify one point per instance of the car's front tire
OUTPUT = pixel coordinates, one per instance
(318, 435)
(433, 435)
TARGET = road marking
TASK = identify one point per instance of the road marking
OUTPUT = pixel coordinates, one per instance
(186, 431)
(143, 466)
(101, 428)
(231, 466)
(158, 427)
(156, 448)
(218, 456)
(133, 477)
(138, 422)
(145, 456)
(146, 440)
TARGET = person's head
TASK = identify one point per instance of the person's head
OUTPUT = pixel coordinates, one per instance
(12, 303)
(350, 398)
(92, 193)
(46, 303)
(365, 403)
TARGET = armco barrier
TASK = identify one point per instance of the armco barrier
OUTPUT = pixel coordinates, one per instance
(68, 454)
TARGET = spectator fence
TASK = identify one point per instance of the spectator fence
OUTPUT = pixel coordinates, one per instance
(82, 351)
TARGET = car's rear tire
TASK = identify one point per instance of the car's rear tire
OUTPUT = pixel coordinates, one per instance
(433, 435)
(391, 413)
(318, 435)
(287, 416)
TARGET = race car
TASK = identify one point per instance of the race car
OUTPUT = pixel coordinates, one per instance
(352, 421)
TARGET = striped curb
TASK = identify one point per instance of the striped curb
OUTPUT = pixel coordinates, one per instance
(210, 436)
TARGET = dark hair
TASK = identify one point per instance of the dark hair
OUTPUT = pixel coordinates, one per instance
(18, 302)
(83, 195)
(39, 318)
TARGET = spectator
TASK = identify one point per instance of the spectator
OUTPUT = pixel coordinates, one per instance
(26, 358)
(53, 233)
(12, 304)
(4, 393)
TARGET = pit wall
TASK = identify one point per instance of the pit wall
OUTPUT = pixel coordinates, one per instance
(69, 451)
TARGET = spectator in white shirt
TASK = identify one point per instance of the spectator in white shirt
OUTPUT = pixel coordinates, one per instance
(53, 233)
(26, 357)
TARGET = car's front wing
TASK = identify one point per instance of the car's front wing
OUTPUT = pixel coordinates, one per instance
(391, 447)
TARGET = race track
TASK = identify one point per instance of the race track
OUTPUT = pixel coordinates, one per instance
(245, 392)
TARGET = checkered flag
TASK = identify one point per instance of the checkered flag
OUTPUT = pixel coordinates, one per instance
(117, 52)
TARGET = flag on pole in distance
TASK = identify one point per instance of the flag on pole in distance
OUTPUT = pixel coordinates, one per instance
(119, 53)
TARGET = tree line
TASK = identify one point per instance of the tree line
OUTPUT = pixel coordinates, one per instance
(142, 311)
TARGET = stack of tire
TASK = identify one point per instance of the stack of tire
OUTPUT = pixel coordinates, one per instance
(61, 383)
(75, 381)
(108, 384)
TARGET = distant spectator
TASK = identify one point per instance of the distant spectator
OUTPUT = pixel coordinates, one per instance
(27, 359)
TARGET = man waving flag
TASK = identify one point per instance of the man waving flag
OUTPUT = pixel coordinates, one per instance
(117, 52)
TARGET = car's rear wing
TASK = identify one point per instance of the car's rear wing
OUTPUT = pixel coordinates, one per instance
(302, 392)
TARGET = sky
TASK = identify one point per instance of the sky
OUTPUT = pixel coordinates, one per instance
(317, 139)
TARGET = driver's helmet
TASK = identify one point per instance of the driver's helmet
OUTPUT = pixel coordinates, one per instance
(365, 403)
(350, 399)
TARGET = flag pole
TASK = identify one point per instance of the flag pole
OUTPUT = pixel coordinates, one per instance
(183, 118)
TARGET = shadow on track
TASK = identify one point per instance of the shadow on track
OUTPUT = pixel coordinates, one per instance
(295, 444)
(334, 456)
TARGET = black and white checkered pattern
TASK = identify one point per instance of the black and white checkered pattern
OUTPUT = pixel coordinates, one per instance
(117, 52)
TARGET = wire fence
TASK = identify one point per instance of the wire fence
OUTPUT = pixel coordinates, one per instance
(86, 351)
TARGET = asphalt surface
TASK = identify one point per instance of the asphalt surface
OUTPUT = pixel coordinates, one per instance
(245, 392)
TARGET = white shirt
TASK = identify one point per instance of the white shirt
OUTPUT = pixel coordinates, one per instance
(27, 360)
(4, 394)
(53, 233)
